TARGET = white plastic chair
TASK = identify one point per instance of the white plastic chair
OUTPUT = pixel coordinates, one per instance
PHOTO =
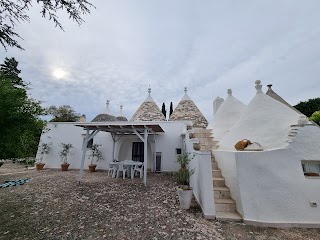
(112, 169)
(123, 169)
(138, 169)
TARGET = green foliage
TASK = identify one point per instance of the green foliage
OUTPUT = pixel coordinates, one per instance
(63, 113)
(163, 110)
(183, 175)
(309, 107)
(20, 125)
(95, 153)
(13, 12)
(65, 151)
(315, 117)
(44, 148)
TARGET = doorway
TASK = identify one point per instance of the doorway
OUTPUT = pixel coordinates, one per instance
(138, 151)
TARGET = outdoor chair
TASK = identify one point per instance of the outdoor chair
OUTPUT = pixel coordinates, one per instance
(138, 169)
(123, 169)
(112, 169)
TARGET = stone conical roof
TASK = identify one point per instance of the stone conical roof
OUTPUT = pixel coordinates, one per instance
(148, 111)
(106, 116)
(187, 110)
(227, 115)
(275, 96)
(121, 116)
(265, 120)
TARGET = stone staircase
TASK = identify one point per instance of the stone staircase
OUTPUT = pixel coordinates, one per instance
(224, 205)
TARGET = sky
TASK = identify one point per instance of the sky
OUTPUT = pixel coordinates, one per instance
(207, 46)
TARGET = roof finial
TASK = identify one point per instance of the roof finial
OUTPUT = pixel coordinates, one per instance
(149, 90)
(258, 86)
(269, 86)
(185, 90)
(107, 103)
(121, 107)
(229, 92)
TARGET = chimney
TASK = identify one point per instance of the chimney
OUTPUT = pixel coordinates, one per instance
(83, 118)
(216, 104)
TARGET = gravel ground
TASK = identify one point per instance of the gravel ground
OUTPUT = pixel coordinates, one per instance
(54, 206)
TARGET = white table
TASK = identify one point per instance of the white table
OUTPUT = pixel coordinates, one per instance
(129, 163)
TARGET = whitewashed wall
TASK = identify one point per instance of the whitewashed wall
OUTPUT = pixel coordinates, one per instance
(201, 181)
(166, 143)
(270, 186)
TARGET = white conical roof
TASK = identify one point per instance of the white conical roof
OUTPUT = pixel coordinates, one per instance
(227, 115)
(275, 96)
(148, 111)
(187, 110)
(265, 120)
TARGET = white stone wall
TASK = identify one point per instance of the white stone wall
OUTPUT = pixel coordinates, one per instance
(270, 186)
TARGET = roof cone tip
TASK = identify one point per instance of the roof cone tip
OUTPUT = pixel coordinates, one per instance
(258, 86)
(269, 85)
(229, 92)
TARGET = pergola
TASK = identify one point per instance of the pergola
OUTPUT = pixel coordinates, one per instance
(141, 129)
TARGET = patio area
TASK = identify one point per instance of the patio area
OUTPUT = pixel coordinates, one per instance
(54, 206)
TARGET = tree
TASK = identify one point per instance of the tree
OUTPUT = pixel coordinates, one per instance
(64, 113)
(163, 110)
(13, 12)
(171, 109)
(315, 117)
(20, 123)
(309, 107)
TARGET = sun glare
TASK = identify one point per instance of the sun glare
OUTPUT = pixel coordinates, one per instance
(59, 73)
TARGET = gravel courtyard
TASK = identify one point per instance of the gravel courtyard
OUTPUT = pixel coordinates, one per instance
(54, 206)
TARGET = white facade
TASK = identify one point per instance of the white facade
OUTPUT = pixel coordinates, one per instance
(166, 144)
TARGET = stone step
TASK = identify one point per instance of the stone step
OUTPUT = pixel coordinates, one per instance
(201, 130)
(202, 135)
(228, 216)
(215, 166)
(221, 192)
(224, 205)
(218, 182)
(216, 173)
(214, 147)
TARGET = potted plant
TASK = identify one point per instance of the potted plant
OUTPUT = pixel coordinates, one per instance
(64, 155)
(95, 156)
(44, 148)
(184, 190)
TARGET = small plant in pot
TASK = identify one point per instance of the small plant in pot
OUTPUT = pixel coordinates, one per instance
(65, 151)
(182, 177)
(95, 156)
(44, 148)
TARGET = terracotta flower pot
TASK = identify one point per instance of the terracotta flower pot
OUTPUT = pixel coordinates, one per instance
(65, 166)
(92, 167)
(40, 166)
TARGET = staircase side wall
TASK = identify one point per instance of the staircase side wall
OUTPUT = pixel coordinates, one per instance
(201, 182)
(228, 165)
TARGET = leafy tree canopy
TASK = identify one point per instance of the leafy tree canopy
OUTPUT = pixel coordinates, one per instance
(20, 123)
(13, 12)
(309, 107)
(63, 113)
(315, 117)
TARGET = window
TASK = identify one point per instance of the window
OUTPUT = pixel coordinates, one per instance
(311, 168)
(178, 151)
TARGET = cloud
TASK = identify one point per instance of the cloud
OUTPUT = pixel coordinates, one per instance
(208, 46)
